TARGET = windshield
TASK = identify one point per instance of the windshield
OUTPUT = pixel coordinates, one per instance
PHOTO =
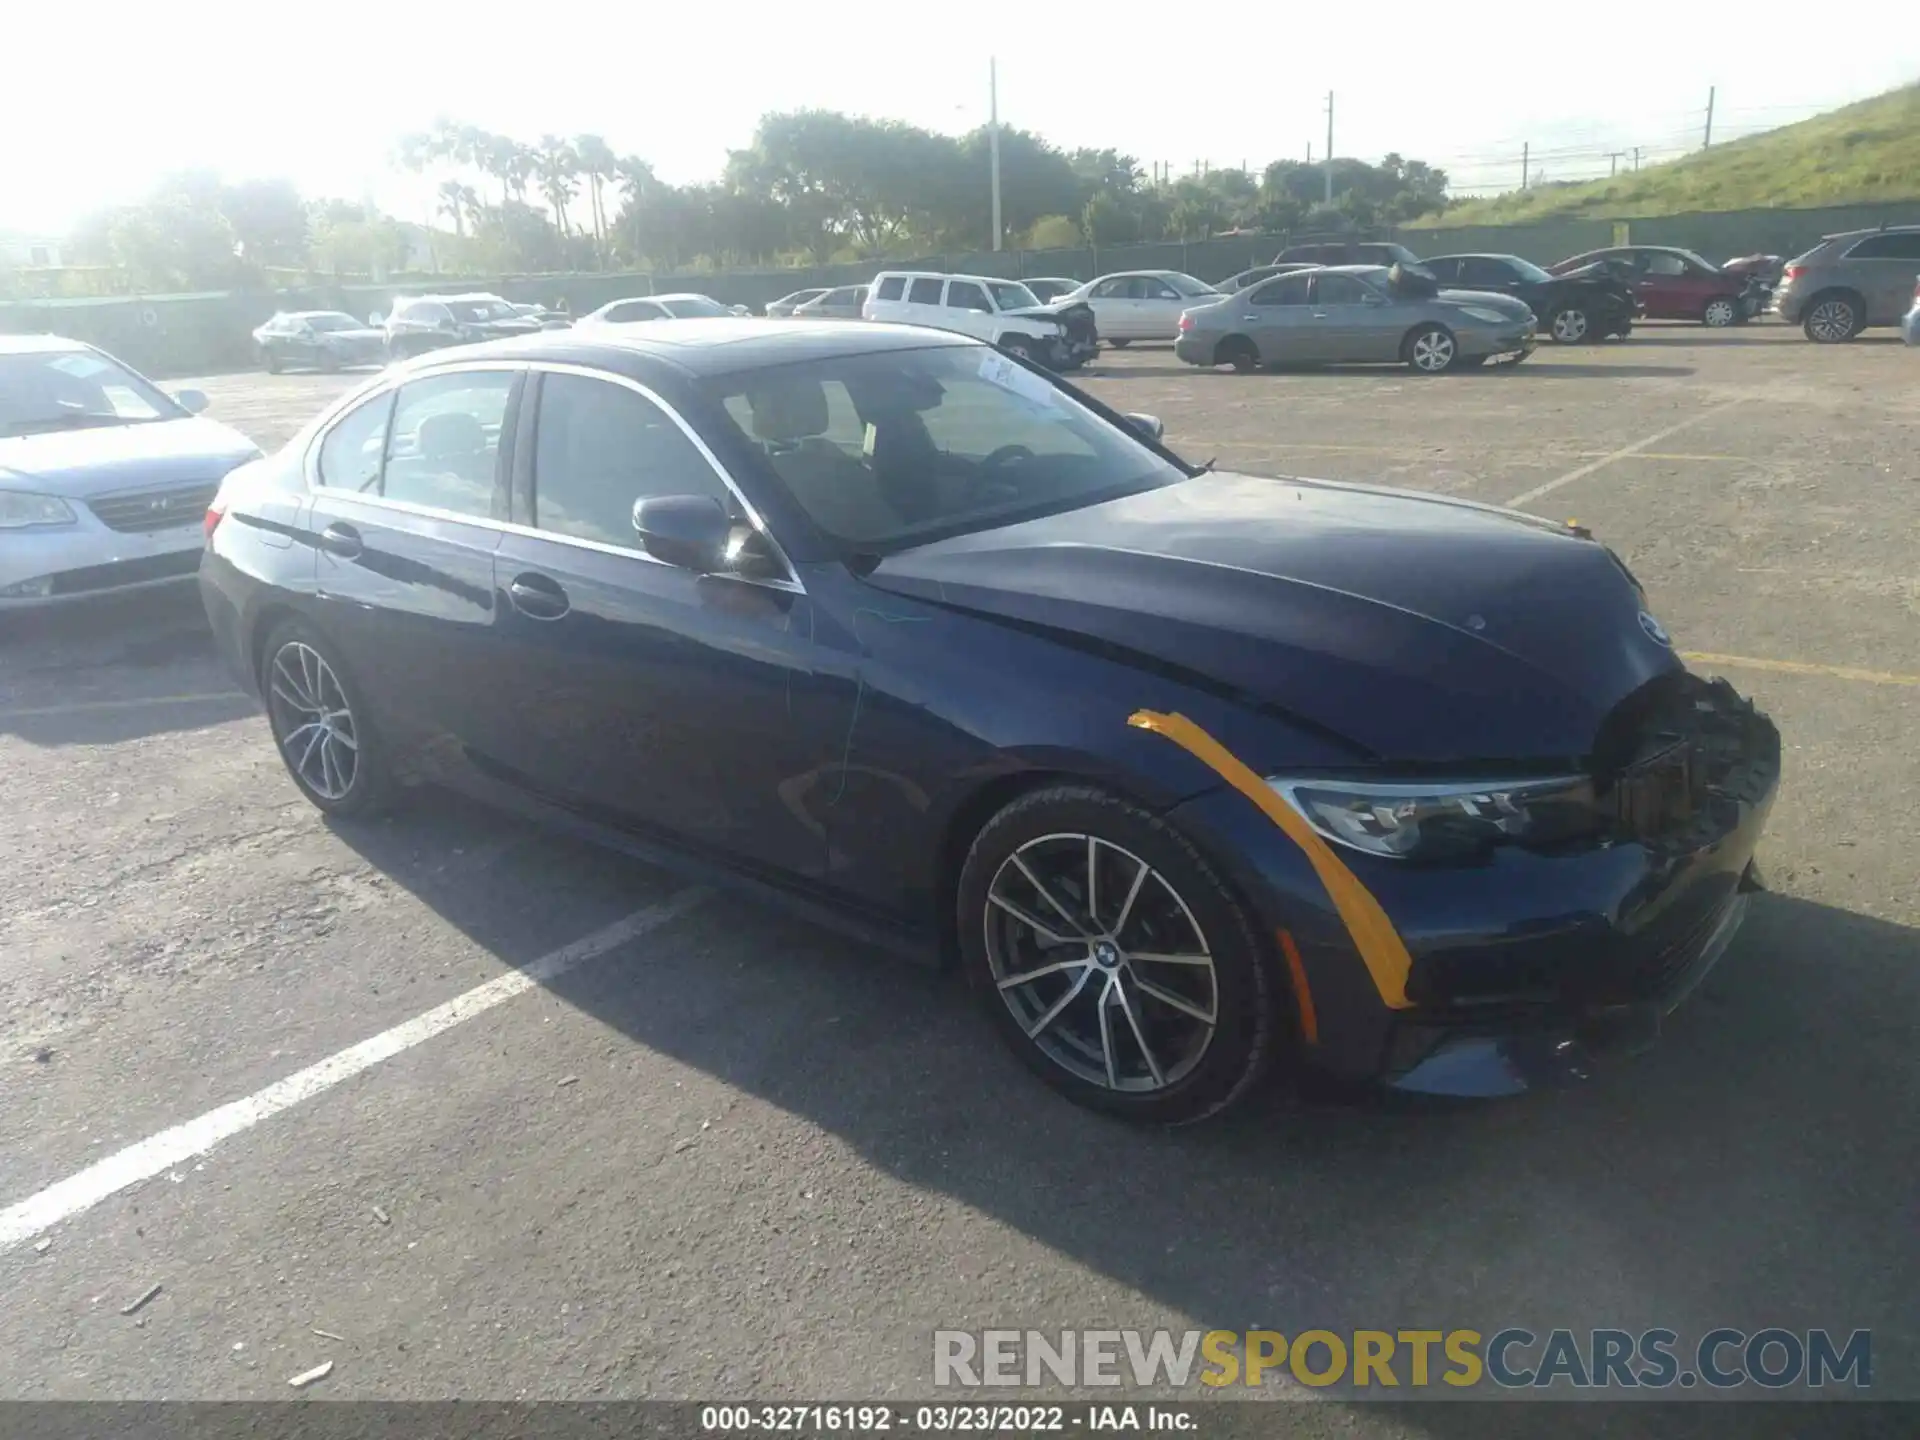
(1700, 260)
(693, 307)
(332, 321)
(1526, 269)
(1009, 296)
(888, 450)
(74, 390)
(475, 311)
(1187, 285)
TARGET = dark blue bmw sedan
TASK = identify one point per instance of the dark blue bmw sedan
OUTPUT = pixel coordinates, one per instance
(1191, 772)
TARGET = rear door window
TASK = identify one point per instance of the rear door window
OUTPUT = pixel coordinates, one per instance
(891, 288)
(443, 448)
(1896, 246)
(924, 291)
(1287, 290)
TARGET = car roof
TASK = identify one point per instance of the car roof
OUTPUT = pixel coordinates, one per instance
(1871, 230)
(1474, 255)
(442, 299)
(1050, 279)
(704, 347)
(40, 345)
(309, 314)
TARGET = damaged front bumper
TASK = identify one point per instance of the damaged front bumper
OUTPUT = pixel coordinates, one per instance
(1529, 967)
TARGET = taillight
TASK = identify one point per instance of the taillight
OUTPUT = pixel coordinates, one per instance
(1186, 322)
(1794, 272)
(215, 513)
(1916, 289)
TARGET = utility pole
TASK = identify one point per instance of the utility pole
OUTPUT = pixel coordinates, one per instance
(1707, 144)
(1329, 161)
(993, 140)
(1636, 157)
(1526, 160)
(1614, 157)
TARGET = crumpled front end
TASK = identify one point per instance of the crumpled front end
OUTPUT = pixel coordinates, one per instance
(1530, 961)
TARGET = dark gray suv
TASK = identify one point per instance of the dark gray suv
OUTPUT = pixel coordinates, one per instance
(1848, 282)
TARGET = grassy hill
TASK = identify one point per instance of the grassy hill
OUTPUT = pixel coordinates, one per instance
(1867, 151)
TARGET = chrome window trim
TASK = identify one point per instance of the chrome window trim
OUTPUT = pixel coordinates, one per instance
(790, 582)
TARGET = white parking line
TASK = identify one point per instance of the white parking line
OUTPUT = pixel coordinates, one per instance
(149, 1157)
(1527, 496)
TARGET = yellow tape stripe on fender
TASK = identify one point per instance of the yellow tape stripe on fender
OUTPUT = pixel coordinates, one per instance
(1380, 946)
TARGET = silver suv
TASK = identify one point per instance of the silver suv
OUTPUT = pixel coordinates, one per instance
(1848, 282)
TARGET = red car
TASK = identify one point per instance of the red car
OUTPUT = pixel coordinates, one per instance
(1674, 284)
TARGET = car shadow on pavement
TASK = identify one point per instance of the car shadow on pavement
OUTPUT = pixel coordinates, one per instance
(1752, 1169)
(113, 670)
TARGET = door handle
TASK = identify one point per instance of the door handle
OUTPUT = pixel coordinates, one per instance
(1249, 319)
(341, 539)
(1320, 315)
(537, 597)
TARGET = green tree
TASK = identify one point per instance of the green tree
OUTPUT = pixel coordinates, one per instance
(599, 165)
(557, 169)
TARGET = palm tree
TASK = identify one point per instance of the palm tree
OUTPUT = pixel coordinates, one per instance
(459, 201)
(598, 162)
(635, 176)
(558, 170)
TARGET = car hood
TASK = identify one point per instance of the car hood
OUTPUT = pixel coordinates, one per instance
(1421, 629)
(79, 463)
(1487, 300)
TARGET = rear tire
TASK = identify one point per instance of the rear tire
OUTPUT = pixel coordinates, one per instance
(1430, 350)
(270, 360)
(320, 724)
(1119, 344)
(1239, 352)
(1833, 319)
(1097, 1016)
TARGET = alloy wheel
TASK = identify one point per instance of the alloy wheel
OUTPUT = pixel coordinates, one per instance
(1101, 963)
(1432, 351)
(1721, 312)
(1570, 326)
(1831, 321)
(313, 721)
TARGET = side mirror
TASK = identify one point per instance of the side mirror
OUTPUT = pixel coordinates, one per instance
(191, 401)
(1147, 425)
(690, 531)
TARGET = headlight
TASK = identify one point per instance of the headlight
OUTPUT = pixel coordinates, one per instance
(18, 510)
(1486, 316)
(1443, 820)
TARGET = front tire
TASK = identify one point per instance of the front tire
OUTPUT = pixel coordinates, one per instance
(1430, 350)
(1018, 348)
(270, 360)
(1569, 325)
(1119, 344)
(1721, 312)
(320, 724)
(1832, 320)
(1113, 960)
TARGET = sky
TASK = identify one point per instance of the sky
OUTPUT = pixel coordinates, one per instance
(102, 99)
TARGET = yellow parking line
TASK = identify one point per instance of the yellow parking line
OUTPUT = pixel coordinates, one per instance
(1801, 667)
(80, 707)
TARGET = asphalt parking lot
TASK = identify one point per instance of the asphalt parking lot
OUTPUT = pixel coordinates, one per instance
(710, 1152)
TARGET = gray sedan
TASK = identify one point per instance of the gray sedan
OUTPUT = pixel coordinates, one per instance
(1355, 313)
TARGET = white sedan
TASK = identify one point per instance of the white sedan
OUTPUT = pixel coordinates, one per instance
(1141, 304)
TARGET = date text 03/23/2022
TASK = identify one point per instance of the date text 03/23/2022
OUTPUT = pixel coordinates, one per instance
(944, 1419)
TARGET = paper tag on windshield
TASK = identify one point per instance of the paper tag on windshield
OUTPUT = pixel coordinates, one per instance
(997, 369)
